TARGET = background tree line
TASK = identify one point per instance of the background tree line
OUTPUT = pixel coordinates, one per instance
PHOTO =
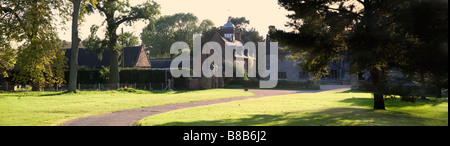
(39, 60)
(166, 30)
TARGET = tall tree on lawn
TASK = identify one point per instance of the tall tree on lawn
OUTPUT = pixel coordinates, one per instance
(39, 58)
(368, 31)
(118, 12)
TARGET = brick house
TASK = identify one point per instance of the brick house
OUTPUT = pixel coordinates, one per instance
(230, 38)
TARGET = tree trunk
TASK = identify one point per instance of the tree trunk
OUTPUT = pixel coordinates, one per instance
(438, 90)
(113, 52)
(378, 97)
(114, 67)
(74, 52)
(35, 87)
(423, 86)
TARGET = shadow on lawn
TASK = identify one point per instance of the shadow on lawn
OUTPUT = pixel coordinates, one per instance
(46, 94)
(328, 117)
(390, 102)
(56, 93)
(393, 103)
(33, 93)
(165, 92)
(352, 91)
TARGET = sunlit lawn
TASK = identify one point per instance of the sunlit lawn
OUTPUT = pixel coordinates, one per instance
(348, 108)
(53, 108)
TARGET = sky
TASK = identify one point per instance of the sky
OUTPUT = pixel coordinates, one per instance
(261, 13)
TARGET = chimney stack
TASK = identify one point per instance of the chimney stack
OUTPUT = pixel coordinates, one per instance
(272, 27)
(238, 36)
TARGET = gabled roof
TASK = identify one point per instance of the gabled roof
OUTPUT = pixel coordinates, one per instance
(69, 45)
(90, 59)
(161, 63)
(165, 63)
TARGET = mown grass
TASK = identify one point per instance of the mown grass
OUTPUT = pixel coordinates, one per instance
(53, 108)
(348, 108)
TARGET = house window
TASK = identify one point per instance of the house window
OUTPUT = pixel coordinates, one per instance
(333, 74)
(361, 77)
(303, 75)
(282, 75)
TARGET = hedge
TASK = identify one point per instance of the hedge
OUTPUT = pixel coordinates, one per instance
(139, 76)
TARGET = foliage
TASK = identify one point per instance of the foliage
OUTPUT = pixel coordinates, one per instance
(131, 90)
(7, 55)
(372, 33)
(251, 35)
(40, 60)
(319, 33)
(104, 73)
(7, 52)
(425, 28)
(118, 12)
(128, 39)
(239, 22)
(166, 30)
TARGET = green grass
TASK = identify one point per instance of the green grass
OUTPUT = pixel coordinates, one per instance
(53, 108)
(242, 87)
(348, 108)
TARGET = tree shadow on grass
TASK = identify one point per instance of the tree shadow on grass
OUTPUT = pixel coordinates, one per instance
(167, 92)
(390, 102)
(56, 93)
(395, 102)
(33, 93)
(328, 117)
(352, 91)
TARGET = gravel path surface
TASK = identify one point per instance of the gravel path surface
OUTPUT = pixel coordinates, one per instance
(130, 117)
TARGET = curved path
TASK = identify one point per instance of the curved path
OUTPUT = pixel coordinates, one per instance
(130, 117)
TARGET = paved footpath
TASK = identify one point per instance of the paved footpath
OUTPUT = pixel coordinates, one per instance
(130, 117)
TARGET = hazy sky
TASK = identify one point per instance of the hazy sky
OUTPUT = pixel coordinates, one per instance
(261, 14)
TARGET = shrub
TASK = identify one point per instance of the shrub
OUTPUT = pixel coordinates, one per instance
(131, 90)
(407, 93)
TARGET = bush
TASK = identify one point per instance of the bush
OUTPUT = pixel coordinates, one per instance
(139, 76)
(407, 93)
(131, 90)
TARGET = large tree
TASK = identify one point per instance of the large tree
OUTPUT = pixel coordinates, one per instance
(7, 53)
(365, 30)
(40, 60)
(239, 22)
(79, 10)
(116, 13)
(424, 25)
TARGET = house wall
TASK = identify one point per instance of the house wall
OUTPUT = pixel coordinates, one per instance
(292, 71)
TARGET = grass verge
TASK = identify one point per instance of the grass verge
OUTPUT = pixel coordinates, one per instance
(348, 108)
(53, 108)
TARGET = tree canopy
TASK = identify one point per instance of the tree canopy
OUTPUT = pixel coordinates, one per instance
(40, 60)
(128, 39)
(166, 30)
(116, 13)
(369, 32)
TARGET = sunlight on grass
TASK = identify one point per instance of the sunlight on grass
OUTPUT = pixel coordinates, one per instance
(347, 108)
(53, 108)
